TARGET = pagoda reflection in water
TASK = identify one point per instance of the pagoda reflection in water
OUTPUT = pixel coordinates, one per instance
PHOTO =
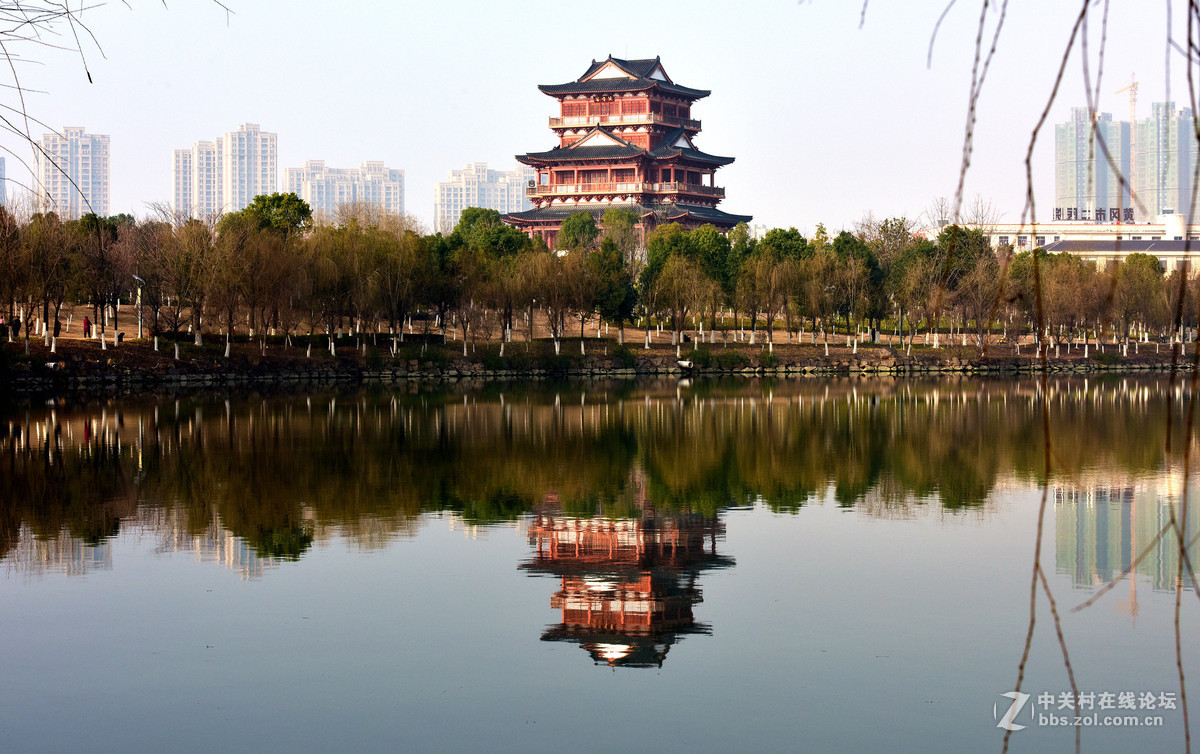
(628, 585)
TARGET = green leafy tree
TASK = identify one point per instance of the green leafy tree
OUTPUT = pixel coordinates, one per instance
(711, 249)
(482, 229)
(664, 241)
(578, 232)
(284, 213)
(788, 244)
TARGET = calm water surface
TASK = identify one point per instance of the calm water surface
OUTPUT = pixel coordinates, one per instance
(788, 566)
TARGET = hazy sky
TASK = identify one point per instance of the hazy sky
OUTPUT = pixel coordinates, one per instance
(827, 121)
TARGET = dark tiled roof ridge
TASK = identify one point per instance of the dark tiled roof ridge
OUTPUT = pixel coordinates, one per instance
(605, 152)
(666, 150)
(578, 150)
(640, 67)
(621, 85)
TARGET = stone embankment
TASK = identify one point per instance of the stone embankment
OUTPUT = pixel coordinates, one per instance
(76, 372)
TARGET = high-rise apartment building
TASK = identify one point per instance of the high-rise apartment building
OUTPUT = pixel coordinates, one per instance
(1157, 154)
(325, 188)
(198, 180)
(249, 165)
(476, 186)
(1086, 187)
(183, 196)
(224, 175)
(72, 173)
(1164, 158)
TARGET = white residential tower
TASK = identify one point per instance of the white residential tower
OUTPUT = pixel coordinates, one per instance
(224, 175)
(72, 173)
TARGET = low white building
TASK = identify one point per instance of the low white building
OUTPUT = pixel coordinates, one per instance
(1103, 243)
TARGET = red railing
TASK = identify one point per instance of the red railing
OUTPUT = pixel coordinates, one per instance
(618, 119)
(624, 188)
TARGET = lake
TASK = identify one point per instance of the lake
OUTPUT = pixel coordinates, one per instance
(799, 565)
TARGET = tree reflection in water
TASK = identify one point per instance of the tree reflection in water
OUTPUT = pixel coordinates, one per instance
(273, 475)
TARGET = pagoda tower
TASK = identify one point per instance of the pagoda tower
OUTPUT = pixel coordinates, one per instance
(626, 141)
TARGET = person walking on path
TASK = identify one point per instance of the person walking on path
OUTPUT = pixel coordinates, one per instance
(87, 327)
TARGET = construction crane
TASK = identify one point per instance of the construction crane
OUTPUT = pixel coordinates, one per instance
(1132, 88)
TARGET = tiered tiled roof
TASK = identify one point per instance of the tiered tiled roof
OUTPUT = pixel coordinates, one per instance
(667, 149)
(581, 150)
(612, 148)
(640, 73)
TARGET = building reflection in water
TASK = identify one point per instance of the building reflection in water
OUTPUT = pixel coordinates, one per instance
(627, 585)
(34, 556)
(1100, 529)
(72, 556)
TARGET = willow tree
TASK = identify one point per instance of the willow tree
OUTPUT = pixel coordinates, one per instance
(615, 294)
(677, 288)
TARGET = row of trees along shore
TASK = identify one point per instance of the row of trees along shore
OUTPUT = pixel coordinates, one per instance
(269, 270)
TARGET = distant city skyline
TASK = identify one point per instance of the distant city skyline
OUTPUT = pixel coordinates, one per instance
(880, 130)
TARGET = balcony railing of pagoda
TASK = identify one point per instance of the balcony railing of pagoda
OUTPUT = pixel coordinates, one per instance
(624, 188)
(604, 120)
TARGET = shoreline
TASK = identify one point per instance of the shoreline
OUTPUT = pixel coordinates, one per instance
(130, 367)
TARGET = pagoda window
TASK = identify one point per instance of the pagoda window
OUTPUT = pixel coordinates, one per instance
(684, 112)
(593, 176)
(624, 175)
(574, 109)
